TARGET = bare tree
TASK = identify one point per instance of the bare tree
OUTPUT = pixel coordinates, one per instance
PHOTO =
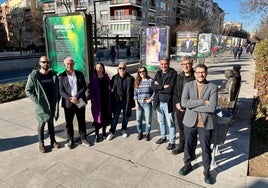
(254, 6)
(16, 23)
(36, 25)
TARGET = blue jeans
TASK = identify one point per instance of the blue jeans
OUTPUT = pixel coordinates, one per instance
(146, 110)
(163, 117)
(121, 105)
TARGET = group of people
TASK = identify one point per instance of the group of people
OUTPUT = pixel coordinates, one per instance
(237, 50)
(188, 95)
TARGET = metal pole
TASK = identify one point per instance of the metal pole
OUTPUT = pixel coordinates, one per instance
(95, 27)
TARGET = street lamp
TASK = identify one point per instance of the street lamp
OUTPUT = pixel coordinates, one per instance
(95, 22)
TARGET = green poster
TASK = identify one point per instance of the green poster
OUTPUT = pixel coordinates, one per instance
(67, 36)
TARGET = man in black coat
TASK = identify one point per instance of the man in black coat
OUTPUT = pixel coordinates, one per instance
(72, 87)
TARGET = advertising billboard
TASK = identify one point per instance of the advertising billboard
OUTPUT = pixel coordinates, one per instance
(204, 44)
(187, 44)
(70, 35)
(154, 44)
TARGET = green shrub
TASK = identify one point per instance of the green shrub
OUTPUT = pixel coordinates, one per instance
(12, 91)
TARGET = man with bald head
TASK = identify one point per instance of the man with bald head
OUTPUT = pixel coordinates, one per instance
(42, 89)
(72, 87)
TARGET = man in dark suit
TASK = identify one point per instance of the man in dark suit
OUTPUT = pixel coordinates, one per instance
(72, 87)
(187, 45)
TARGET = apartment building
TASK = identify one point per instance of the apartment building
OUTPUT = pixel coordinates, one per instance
(125, 17)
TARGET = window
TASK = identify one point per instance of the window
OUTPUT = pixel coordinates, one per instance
(104, 14)
(119, 14)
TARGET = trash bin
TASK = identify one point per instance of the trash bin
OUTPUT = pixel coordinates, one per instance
(222, 122)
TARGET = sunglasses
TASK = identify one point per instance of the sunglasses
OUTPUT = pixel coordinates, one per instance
(142, 71)
(44, 62)
(122, 68)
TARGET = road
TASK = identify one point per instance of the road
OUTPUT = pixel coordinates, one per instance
(14, 76)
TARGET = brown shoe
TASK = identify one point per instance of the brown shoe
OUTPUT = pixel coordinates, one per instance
(147, 137)
(140, 136)
(42, 148)
(55, 145)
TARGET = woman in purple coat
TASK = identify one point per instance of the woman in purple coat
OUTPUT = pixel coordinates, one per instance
(100, 96)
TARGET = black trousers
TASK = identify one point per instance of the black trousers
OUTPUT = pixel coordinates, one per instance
(180, 115)
(41, 127)
(69, 117)
(205, 136)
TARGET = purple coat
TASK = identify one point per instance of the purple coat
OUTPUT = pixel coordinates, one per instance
(95, 95)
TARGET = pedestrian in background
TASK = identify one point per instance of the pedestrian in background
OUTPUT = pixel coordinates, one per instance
(100, 96)
(199, 97)
(122, 85)
(42, 89)
(239, 51)
(163, 86)
(128, 52)
(235, 51)
(185, 76)
(72, 86)
(143, 96)
(113, 54)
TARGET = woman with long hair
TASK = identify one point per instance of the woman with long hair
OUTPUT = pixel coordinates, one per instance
(100, 95)
(143, 96)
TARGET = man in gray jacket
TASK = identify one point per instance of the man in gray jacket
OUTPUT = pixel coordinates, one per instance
(199, 97)
(42, 89)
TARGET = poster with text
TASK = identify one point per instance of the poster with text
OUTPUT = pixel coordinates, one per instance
(69, 36)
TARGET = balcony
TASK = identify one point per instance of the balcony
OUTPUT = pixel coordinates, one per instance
(133, 2)
(126, 17)
(81, 5)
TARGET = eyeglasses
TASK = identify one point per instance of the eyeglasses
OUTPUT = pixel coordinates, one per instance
(200, 72)
(142, 71)
(44, 62)
(186, 64)
(122, 68)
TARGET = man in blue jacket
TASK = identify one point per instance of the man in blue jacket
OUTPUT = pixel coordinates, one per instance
(42, 89)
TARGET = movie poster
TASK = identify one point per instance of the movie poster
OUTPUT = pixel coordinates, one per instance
(204, 44)
(154, 45)
(187, 43)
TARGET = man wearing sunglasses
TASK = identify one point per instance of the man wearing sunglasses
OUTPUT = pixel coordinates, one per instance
(122, 85)
(42, 89)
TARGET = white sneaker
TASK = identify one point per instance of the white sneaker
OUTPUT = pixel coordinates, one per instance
(124, 133)
(110, 136)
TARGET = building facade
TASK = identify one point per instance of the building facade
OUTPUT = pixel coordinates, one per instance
(124, 18)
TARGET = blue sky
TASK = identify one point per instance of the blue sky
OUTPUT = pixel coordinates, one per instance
(231, 8)
(233, 14)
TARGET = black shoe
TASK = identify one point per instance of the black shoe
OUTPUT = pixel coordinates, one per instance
(186, 169)
(140, 136)
(161, 141)
(98, 139)
(42, 148)
(194, 157)
(170, 146)
(84, 141)
(147, 137)
(179, 149)
(207, 177)
(104, 135)
(71, 144)
(55, 145)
